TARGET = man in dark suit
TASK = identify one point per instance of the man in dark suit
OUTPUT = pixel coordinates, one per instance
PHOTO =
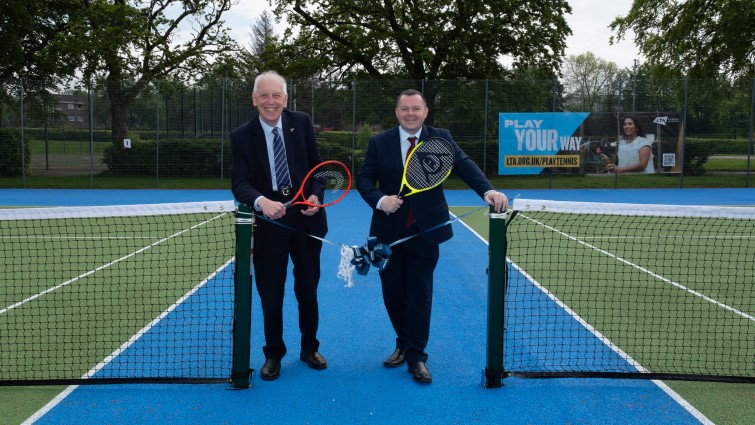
(266, 178)
(407, 281)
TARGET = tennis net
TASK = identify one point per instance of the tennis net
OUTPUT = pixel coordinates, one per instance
(119, 293)
(629, 290)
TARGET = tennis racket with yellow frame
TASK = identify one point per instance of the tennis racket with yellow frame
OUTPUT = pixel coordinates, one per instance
(427, 166)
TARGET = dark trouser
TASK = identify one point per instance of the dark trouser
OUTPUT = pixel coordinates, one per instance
(408, 295)
(272, 246)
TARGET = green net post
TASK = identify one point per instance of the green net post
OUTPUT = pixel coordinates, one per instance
(242, 321)
(496, 295)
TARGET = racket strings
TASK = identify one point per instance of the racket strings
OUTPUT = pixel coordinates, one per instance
(335, 183)
(430, 164)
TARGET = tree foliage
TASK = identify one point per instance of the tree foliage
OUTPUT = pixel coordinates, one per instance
(31, 35)
(263, 33)
(127, 43)
(587, 78)
(32, 39)
(700, 38)
(425, 39)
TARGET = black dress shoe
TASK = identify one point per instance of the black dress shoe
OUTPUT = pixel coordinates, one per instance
(271, 370)
(314, 359)
(396, 359)
(420, 373)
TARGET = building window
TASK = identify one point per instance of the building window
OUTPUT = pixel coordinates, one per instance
(70, 106)
(80, 106)
(80, 119)
(71, 118)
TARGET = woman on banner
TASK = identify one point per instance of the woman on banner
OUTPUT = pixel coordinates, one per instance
(634, 151)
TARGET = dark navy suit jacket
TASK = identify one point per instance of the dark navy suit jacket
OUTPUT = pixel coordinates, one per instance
(381, 175)
(251, 176)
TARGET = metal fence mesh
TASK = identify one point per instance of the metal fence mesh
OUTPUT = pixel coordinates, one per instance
(183, 131)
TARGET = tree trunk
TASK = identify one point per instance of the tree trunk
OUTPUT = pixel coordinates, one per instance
(119, 101)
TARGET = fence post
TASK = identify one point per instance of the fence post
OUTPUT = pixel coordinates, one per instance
(91, 133)
(157, 135)
(23, 146)
(749, 142)
(485, 131)
(554, 91)
(353, 126)
(241, 374)
(222, 131)
(684, 132)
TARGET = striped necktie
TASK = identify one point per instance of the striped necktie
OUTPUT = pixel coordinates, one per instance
(281, 165)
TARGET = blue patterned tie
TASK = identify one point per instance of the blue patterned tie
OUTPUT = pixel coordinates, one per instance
(281, 165)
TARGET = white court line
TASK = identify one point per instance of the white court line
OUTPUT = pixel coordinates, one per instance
(62, 396)
(469, 228)
(65, 393)
(154, 322)
(647, 271)
(104, 266)
(47, 407)
(74, 238)
(621, 353)
(662, 385)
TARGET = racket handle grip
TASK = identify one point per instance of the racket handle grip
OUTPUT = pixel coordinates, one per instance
(288, 204)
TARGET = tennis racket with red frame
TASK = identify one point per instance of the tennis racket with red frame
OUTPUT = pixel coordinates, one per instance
(328, 182)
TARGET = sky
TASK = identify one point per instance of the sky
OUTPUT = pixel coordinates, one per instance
(589, 22)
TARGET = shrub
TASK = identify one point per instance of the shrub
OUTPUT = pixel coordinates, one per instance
(10, 153)
(176, 158)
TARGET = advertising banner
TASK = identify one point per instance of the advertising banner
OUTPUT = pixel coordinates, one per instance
(588, 143)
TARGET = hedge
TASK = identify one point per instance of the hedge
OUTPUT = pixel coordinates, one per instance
(10, 153)
(177, 158)
(191, 157)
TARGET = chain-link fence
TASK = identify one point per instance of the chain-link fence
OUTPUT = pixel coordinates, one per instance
(169, 132)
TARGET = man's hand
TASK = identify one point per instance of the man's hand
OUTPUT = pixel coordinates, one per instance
(271, 209)
(497, 199)
(391, 204)
(310, 211)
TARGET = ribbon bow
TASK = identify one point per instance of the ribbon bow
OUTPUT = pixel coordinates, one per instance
(371, 253)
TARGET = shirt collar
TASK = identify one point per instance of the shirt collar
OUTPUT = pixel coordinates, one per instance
(268, 129)
(405, 135)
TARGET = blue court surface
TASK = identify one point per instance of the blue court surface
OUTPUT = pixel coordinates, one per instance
(356, 336)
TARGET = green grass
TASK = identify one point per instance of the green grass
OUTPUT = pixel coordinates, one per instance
(111, 276)
(114, 182)
(721, 172)
(141, 269)
(721, 402)
(104, 181)
(19, 403)
(67, 147)
(728, 164)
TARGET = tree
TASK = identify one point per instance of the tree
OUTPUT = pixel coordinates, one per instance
(34, 54)
(135, 46)
(587, 79)
(262, 33)
(426, 39)
(236, 69)
(702, 38)
(30, 39)
(266, 52)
